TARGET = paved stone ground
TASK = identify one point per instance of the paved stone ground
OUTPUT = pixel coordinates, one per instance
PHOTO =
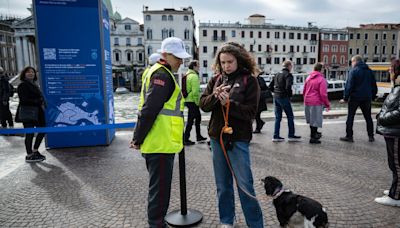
(107, 186)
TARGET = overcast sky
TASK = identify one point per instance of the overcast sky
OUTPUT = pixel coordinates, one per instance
(326, 13)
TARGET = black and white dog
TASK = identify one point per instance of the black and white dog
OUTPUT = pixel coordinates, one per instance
(294, 210)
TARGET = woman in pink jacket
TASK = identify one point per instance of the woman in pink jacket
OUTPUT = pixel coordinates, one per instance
(315, 100)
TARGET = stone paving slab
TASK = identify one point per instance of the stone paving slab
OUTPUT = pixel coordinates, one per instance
(107, 186)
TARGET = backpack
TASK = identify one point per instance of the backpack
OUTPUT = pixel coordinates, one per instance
(183, 86)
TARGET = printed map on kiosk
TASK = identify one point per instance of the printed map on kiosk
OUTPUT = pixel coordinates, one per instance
(70, 114)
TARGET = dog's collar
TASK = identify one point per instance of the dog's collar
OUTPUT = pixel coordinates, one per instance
(279, 192)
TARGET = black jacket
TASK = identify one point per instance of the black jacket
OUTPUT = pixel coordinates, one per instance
(281, 84)
(360, 84)
(388, 119)
(243, 95)
(264, 94)
(6, 89)
(160, 91)
(30, 95)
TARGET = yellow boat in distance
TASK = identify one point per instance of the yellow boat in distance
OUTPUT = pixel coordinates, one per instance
(382, 77)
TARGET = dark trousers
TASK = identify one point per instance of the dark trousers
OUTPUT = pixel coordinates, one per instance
(283, 104)
(193, 115)
(366, 111)
(5, 115)
(393, 151)
(259, 121)
(160, 167)
(29, 137)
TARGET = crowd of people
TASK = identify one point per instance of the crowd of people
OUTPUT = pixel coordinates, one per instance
(235, 96)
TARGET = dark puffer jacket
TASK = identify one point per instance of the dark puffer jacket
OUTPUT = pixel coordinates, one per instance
(388, 119)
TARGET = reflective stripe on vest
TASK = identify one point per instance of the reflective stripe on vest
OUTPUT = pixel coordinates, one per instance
(166, 134)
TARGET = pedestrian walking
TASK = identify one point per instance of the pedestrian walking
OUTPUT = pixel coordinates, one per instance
(315, 95)
(232, 97)
(159, 129)
(388, 125)
(262, 104)
(30, 112)
(281, 86)
(192, 102)
(360, 90)
(6, 91)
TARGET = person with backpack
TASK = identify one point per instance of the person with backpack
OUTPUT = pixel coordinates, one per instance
(6, 91)
(191, 92)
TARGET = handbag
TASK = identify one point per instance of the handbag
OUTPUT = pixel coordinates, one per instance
(28, 113)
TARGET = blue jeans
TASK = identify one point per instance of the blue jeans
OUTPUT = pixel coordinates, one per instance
(285, 105)
(240, 160)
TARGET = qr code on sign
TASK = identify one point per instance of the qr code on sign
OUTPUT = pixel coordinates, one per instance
(49, 53)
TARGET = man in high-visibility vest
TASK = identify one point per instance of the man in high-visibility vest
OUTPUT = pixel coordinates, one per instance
(153, 59)
(159, 129)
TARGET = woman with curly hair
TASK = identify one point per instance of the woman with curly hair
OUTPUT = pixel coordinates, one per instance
(232, 98)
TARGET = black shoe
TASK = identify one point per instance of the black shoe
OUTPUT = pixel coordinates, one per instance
(371, 138)
(347, 139)
(294, 138)
(257, 131)
(315, 141)
(34, 157)
(201, 138)
(188, 143)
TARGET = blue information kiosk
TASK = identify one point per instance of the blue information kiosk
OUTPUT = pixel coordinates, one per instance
(73, 43)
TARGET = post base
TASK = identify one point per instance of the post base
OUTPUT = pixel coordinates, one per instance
(176, 219)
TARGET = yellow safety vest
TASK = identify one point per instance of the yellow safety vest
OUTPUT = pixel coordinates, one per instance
(166, 134)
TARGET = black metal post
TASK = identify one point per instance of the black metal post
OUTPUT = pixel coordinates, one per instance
(183, 217)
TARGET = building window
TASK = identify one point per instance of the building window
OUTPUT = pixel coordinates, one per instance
(325, 36)
(233, 33)
(299, 36)
(350, 51)
(384, 36)
(164, 17)
(259, 34)
(140, 57)
(251, 34)
(268, 60)
(376, 50)
(325, 48)
(187, 34)
(259, 60)
(204, 33)
(298, 61)
(342, 59)
(334, 59)
(140, 41)
(223, 36)
(117, 57)
(291, 35)
(116, 41)
(276, 35)
(149, 50)
(204, 63)
(251, 48)
(149, 34)
(276, 60)
(376, 36)
(276, 48)
(312, 60)
(284, 35)
(268, 48)
(392, 50)
(186, 18)
(334, 48)
(129, 56)
(215, 50)
(351, 36)
(148, 18)
(304, 49)
(283, 48)
(204, 49)
(242, 34)
(394, 37)
(357, 51)
(366, 36)
(342, 36)
(305, 36)
(335, 36)
(127, 27)
(313, 36)
(164, 33)
(267, 35)
(215, 35)
(171, 33)
(170, 18)
(259, 48)
(298, 48)
(128, 41)
(384, 50)
(358, 36)
(342, 48)
(304, 61)
(365, 49)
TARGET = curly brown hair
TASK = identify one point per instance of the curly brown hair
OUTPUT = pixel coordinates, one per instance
(23, 72)
(244, 59)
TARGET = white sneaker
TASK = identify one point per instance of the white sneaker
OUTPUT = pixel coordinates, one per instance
(386, 200)
(386, 192)
(226, 226)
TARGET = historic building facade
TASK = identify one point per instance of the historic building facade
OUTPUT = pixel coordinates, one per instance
(8, 57)
(333, 49)
(270, 44)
